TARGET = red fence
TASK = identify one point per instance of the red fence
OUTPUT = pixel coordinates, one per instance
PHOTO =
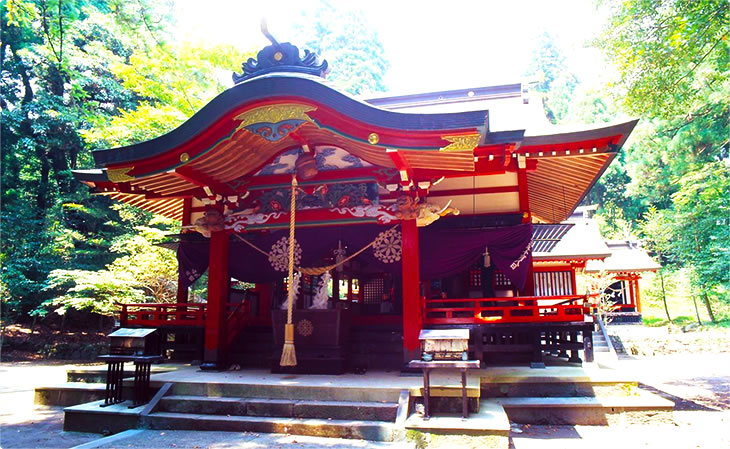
(180, 314)
(523, 309)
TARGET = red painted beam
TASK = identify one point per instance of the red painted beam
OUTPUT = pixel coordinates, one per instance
(202, 180)
(404, 170)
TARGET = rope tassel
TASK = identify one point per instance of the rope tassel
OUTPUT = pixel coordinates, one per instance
(288, 353)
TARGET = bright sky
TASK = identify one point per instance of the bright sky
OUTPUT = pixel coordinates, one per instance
(431, 44)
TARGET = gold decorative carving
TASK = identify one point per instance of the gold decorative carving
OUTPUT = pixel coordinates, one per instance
(119, 174)
(461, 143)
(275, 113)
(278, 55)
(184, 157)
(429, 212)
(373, 138)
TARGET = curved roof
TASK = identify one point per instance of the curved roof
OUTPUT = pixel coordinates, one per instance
(218, 150)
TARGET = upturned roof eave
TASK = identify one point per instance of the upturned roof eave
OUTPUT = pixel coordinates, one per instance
(291, 86)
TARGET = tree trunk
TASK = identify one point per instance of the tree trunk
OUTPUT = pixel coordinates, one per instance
(42, 191)
(664, 295)
(697, 311)
(706, 300)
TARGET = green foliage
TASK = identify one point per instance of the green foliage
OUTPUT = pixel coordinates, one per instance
(79, 74)
(144, 273)
(90, 291)
(349, 44)
(672, 55)
(173, 82)
(555, 82)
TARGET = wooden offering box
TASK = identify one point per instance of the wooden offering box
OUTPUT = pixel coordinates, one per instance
(321, 339)
(138, 342)
(444, 344)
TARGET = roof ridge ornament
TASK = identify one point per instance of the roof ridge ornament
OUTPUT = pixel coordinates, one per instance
(280, 57)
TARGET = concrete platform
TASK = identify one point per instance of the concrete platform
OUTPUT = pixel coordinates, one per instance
(69, 393)
(490, 420)
(91, 417)
(638, 408)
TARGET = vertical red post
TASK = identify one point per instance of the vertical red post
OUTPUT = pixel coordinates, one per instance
(412, 320)
(215, 319)
(636, 294)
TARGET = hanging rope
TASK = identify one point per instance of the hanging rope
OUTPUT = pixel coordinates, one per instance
(288, 353)
(315, 271)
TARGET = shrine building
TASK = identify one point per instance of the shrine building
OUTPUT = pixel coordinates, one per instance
(419, 211)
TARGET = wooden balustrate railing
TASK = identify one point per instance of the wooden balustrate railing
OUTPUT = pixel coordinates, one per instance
(179, 314)
(522, 309)
(162, 314)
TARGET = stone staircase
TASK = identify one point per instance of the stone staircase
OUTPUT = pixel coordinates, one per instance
(567, 399)
(356, 413)
(599, 342)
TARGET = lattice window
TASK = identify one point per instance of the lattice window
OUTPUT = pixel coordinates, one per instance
(553, 283)
(501, 281)
(475, 278)
(372, 290)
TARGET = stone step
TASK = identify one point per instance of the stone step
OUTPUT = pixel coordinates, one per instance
(366, 430)
(203, 404)
(550, 390)
(291, 391)
(69, 393)
(638, 408)
(500, 382)
(491, 419)
(285, 408)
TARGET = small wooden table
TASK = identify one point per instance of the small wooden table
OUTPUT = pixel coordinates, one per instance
(115, 376)
(461, 365)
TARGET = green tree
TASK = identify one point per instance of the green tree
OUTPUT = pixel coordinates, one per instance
(349, 44)
(55, 58)
(702, 229)
(556, 83)
(672, 56)
(80, 74)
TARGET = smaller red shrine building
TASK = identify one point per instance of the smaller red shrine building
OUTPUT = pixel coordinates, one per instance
(424, 209)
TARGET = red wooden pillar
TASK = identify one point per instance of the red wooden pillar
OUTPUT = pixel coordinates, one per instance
(412, 320)
(214, 357)
(636, 294)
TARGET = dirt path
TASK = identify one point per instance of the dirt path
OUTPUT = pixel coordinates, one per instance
(23, 425)
(699, 385)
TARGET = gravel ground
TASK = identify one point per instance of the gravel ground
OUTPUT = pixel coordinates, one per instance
(247, 440)
(23, 425)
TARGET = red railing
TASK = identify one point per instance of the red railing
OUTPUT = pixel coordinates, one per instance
(154, 315)
(523, 309)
